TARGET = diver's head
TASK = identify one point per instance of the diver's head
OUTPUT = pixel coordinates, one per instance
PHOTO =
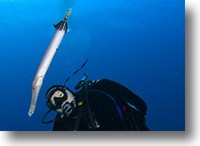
(60, 99)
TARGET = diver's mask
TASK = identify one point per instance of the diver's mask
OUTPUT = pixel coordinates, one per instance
(60, 99)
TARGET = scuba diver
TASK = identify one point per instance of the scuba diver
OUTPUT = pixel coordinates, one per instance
(98, 105)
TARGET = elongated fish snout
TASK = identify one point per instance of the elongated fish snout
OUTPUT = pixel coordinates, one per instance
(31, 111)
(33, 103)
(37, 84)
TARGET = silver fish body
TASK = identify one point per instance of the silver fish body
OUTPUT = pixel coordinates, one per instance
(61, 28)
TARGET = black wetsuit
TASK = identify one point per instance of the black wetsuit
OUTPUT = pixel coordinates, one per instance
(106, 113)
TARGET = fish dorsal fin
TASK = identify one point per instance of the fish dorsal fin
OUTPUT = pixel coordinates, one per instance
(55, 25)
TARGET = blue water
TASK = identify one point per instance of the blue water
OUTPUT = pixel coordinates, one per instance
(138, 43)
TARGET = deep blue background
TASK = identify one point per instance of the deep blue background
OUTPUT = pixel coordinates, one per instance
(138, 43)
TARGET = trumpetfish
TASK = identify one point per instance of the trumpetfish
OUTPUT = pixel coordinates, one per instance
(61, 28)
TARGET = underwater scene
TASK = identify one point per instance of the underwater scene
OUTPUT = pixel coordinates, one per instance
(85, 65)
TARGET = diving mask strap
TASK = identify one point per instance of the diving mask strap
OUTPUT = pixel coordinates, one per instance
(92, 120)
(78, 120)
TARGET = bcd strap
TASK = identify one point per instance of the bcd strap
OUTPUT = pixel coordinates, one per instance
(77, 122)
